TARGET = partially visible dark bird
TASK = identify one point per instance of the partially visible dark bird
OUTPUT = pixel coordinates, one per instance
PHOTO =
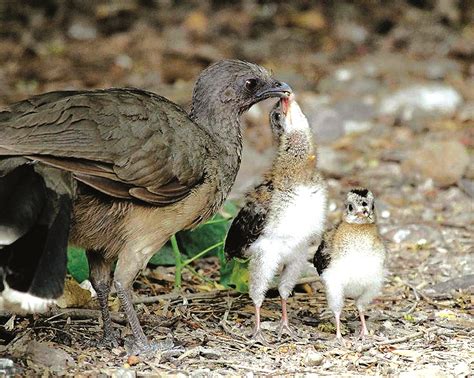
(144, 169)
(351, 258)
(283, 215)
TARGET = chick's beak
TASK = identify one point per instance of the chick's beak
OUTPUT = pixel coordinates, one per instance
(279, 89)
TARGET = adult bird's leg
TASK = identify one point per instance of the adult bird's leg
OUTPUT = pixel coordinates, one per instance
(100, 279)
(130, 262)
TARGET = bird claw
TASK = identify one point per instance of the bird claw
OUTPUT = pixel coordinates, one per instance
(285, 328)
(340, 340)
(258, 337)
(135, 347)
(109, 340)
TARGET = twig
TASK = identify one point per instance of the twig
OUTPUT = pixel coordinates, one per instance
(179, 296)
(399, 340)
(233, 366)
(417, 298)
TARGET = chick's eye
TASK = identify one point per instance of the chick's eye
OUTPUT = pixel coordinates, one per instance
(350, 207)
(364, 203)
(277, 116)
(251, 84)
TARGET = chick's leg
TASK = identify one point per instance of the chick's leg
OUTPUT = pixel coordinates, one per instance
(335, 298)
(262, 270)
(100, 279)
(290, 275)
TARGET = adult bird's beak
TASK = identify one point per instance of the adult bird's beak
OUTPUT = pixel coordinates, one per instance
(279, 89)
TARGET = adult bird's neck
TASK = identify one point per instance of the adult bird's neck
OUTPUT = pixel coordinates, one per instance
(224, 129)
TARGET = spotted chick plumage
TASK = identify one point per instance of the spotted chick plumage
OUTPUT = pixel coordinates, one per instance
(351, 258)
(284, 214)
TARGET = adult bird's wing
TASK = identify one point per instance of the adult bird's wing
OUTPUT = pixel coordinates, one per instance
(249, 222)
(126, 143)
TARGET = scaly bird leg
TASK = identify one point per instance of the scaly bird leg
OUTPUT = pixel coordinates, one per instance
(284, 326)
(363, 327)
(257, 335)
(100, 279)
(141, 345)
(339, 337)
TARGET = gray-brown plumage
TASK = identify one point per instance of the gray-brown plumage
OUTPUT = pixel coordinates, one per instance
(351, 258)
(146, 169)
(282, 215)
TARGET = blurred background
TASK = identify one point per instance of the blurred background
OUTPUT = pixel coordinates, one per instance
(388, 88)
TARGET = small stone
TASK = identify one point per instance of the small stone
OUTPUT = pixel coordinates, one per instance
(462, 369)
(82, 30)
(48, 355)
(313, 359)
(444, 161)
(436, 98)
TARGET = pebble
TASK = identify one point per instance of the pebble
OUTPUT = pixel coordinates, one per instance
(313, 359)
(411, 234)
(46, 354)
(436, 98)
(443, 161)
(462, 369)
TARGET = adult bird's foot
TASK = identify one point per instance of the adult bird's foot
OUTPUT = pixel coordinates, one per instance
(285, 329)
(109, 341)
(135, 347)
(258, 337)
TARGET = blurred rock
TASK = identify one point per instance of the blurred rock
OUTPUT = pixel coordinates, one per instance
(327, 125)
(333, 163)
(443, 161)
(462, 370)
(466, 112)
(312, 20)
(411, 234)
(47, 355)
(467, 185)
(435, 98)
(82, 29)
(352, 32)
(313, 359)
(357, 115)
(445, 289)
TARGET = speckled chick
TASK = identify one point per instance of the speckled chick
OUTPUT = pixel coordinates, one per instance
(351, 258)
(283, 214)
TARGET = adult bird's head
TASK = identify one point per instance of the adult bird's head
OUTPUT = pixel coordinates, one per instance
(230, 87)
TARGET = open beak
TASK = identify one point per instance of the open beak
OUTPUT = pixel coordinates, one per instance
(280, 89)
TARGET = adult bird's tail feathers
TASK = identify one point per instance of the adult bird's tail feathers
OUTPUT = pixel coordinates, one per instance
(35, 216)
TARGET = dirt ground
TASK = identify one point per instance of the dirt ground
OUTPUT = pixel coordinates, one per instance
(389, 92)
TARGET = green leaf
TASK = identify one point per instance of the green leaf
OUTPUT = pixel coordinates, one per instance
(164, 257)
(77, 264)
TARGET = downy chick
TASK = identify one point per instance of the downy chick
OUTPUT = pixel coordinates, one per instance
(351, 258)
(283, 214)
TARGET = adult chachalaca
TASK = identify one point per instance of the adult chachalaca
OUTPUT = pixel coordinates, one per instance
(144, 170)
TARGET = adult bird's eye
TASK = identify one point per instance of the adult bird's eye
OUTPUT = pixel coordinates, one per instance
(251, 84)
(350, 207)
(276, 116)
